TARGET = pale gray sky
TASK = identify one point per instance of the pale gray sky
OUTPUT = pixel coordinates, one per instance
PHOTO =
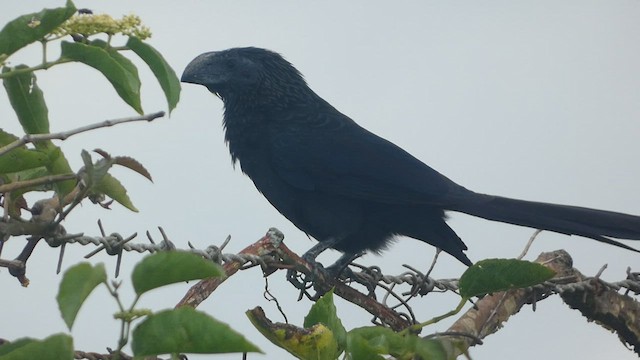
(531, 99)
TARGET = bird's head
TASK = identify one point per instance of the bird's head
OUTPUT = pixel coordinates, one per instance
(244, 73)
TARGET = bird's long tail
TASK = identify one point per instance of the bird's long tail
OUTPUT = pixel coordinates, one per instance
(599, 225)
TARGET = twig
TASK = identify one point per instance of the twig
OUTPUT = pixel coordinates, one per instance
(30, 138)
(11, 263)
(35, 182)
(43, 66)
(529, 243)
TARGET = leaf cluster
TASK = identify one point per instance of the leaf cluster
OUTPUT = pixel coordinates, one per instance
(323, 337)
(174, 331)
(31, 162)
(19, 166)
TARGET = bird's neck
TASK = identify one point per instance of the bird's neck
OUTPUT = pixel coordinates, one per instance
(244, 130)
(248, 123)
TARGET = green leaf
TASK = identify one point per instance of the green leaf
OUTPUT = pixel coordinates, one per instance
(120, 72)
(324, 312)
(21, 158)
(372, 341)
(29, 174)
(55, 347)
(28, 102)
(168, 267)
(29, 28)
(77, 283)
(167, 78)
(186, 330)
(493, 275)
(111, 187)
(314, 343)
(360, 349)
(119, 58)
(58, 166)
(378, 340)
(16, 344)
(430, 349)
(7, 138)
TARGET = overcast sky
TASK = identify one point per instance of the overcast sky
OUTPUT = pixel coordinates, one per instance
(536, 100)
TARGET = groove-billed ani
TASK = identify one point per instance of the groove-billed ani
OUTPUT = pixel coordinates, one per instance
(348, 188)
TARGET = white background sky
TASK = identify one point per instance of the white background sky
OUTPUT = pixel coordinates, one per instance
(531, 99)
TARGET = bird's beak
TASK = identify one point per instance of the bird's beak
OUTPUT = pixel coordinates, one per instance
(190, 75)
(194, 72)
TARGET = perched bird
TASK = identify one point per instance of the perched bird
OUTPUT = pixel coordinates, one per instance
(348, 188)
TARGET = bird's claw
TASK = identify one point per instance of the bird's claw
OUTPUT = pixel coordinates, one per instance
(335, 272)
(346, 275)
(304, 282)
(298, 280)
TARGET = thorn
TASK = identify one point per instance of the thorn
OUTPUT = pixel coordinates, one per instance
(100, 248)
(60, 257)
(118, 261)
(121, 250)
(150, 238)
(101, 228)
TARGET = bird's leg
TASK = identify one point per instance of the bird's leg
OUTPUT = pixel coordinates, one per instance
(340, 270)
(310, 257)
(317, 249)
(341, 265)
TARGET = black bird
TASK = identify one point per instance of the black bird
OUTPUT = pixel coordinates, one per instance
(350, 189)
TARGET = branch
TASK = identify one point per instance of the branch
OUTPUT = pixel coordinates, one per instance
(602, 304)
(112, 355)
(275, 256)
(266, 246)
(30, 138)
(321, 284)
(35, 182)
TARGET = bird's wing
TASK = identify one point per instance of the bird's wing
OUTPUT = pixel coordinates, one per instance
(340, 157)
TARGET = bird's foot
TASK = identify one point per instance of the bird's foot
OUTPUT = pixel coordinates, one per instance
(304, 282)
(345, 274)
(340, 271)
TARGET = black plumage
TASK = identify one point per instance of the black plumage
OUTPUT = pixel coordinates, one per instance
(347, 187)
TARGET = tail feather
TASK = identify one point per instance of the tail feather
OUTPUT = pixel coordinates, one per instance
(599, 225)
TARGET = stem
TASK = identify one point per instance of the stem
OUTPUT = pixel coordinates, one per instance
(44, 50)
(30, 138)
(436, 319)
(43, 66)
(35, 182)
(124, 333)
(135, 302)
(52, 37)
(126, 325)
